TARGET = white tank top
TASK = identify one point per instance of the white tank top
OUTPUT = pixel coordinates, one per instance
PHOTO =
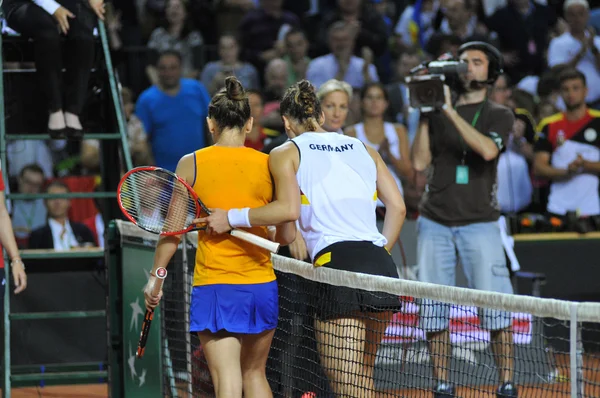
(338, 183)
(392, 136)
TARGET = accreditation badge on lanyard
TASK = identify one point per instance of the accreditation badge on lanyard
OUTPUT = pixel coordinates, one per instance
(462, 170)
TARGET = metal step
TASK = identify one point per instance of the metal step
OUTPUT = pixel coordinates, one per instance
(42, 137)
(67, 195)
(86, 375)
(50, 254)
(59, 367)
(27, 316)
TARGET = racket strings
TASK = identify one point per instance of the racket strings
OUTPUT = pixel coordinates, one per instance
(157, 201)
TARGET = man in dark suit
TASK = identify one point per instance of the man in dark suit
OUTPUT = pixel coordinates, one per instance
(59, 233)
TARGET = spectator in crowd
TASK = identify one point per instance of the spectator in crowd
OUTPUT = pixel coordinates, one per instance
(173, 112)
(60, 233)
(335, 96)
(567, 151)
(369, 28)
(7, 239)
(515, 188)
(29, 214)
(262, 32)
(460, 21)
(296, 55)
(459, 211)
(399, 110)
(579, 47)
(276, 77)
(389, 139)
(416, 26)
(525, 39)
(21, 153)
(442, 44)
(95, 223)
(229, 64)
(179, 35)
(259, 136)
(546, 109)
(137, 139)
(341, 63)
(230, 13)
(501, 91)
(45, 24)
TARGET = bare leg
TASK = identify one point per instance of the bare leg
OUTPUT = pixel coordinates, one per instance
(440, 351)
(376, 324)
(222, 351)
(341, 344)
(255, 351)
(503, 350)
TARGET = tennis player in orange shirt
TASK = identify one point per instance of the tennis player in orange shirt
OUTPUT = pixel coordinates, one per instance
(234, 306)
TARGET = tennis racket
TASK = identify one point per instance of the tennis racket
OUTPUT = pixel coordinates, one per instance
(160, 202)
(161, 274)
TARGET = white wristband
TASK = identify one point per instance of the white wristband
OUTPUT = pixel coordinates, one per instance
(239, 218)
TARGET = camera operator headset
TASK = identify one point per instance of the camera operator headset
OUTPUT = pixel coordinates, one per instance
(459, 210)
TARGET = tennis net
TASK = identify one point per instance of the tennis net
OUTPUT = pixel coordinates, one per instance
(554, 349)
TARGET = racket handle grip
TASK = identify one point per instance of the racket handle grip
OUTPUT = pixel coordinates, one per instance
(266, 244)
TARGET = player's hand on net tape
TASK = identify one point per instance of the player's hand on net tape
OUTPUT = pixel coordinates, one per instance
(216, 223)
(151, 300)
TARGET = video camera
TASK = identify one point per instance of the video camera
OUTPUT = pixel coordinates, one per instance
(426, 91)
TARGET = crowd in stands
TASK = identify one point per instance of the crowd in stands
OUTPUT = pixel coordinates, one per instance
(173, 55)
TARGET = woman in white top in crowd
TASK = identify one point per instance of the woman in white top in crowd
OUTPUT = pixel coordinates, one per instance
(389, 139)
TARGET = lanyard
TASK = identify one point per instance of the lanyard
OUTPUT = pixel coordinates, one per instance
(473, 123)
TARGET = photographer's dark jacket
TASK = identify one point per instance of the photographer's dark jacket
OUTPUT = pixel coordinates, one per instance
(452, 204)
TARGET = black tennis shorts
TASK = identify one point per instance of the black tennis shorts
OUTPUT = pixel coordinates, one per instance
(331, 302)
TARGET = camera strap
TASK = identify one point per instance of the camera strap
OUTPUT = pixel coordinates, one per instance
(473, 123)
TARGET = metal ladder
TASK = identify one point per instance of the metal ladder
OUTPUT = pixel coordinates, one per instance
(63, 373)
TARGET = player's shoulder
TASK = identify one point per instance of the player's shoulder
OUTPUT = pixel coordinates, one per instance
(557, 117)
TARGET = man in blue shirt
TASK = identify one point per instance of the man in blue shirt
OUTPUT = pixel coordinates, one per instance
(173, 112)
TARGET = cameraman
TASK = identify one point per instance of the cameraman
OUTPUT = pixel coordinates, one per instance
(459, 209)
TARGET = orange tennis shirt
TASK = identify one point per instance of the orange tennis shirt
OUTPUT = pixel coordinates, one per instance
(229, 178)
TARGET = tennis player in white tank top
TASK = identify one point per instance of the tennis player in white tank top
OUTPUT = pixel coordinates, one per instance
(339, 180)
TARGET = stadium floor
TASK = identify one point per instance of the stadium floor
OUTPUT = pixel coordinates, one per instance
(558, 390)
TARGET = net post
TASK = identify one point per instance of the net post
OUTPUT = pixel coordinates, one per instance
(187, 298)
(575, 354)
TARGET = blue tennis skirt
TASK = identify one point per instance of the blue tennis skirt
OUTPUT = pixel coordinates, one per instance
(247, 309)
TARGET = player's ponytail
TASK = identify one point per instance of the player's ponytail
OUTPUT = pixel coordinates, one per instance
(234, 89)
(300, 103)
(230, 107)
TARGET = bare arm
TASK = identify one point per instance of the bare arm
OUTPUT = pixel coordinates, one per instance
(543, 168)
(167, 245)
(388, 192)
(7, 237)
(591, 167)
(403, 165)
(283, 164)
(421, 153)
(479, 143)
